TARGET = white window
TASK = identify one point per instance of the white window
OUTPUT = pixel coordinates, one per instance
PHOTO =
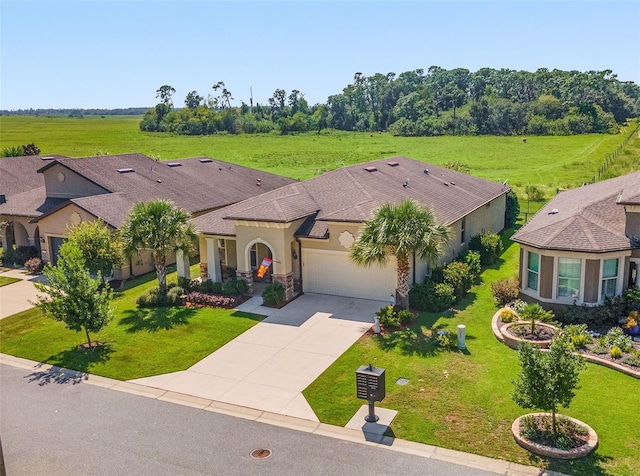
(533, 270)
(609, 277)
(569, 277)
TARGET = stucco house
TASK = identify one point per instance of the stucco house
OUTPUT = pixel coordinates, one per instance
(42, 196)
(307, 228)
(584, 245)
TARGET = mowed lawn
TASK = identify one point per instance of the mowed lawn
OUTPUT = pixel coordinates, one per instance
(138, 342)
(6, 280)
(462, 400)
(548, 162)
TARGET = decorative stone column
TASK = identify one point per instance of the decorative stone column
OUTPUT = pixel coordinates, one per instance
(248, 277)
(204, 271)
(287, 281)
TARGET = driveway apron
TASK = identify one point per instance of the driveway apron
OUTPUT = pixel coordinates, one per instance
(269, 366)
(19, 296)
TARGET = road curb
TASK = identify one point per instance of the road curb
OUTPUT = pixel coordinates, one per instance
(322, 429)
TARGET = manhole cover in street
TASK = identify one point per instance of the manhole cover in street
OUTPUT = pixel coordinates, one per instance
(261, 453)
(402, 381)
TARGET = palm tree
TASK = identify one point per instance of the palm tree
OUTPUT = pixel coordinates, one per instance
(401, 230)
(158, 225)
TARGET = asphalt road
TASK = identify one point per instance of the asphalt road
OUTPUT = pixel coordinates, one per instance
(50, 428)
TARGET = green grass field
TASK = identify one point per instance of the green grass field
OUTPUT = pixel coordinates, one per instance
(462, 400)
(138, 342)
(5, 280)
(548, 162)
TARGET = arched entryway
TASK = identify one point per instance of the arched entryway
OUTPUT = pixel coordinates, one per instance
(257, 252)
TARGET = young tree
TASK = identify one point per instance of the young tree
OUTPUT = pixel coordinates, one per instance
(100, 248)
(547, 380)
(401, 230)
(159, 226)
(72, 295)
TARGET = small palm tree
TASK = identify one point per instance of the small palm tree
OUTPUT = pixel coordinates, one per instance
(400, 230)
(535, 313)
(161, 227)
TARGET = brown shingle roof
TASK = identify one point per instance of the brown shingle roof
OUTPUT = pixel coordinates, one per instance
(590, 218)
(22, 186)
(353, 193)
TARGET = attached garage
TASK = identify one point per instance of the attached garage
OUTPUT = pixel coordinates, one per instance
(332, 272)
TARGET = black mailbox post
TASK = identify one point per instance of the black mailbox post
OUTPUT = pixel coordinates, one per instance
(370, 386)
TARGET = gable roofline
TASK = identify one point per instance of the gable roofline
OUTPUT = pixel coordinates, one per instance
(55, 162)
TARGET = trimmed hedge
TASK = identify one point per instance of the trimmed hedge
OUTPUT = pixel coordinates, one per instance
(489, 245)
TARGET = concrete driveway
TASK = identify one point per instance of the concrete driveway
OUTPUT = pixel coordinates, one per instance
(19, 296)
(269, 366)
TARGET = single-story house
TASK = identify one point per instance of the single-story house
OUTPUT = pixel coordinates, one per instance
(584, 245)
(307, 228)
(41, 197)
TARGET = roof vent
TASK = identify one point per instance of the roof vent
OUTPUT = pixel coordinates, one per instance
(159, 180)
(205, 161)
(555, 211)
(406, 183)
(426, 171)
(452, 183)
(371, 168)
(48, 157)
(125, 170)
(392, 164)
(3, 198)
(446, 183)
(174, 164)
(258, 182)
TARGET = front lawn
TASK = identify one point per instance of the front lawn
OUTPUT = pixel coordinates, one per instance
(138, 342)
(461, 400)
(5, 280)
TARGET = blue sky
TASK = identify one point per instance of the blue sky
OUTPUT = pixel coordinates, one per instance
(118, 53)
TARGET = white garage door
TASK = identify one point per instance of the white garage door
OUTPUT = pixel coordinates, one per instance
(332, 272)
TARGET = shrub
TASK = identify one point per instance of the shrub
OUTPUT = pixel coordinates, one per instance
(472, 259)
(153, 297)
(601, 346)
(535, 313)
(431, 296)
(489, 245)
(446, 340)
(388, 316)
(25, 253)
(616, 338)
(615, 352)
(237, 287)
(273, 294)
(507, 315)
(513, 209)
(200, 299)
(458, 275)
(208, 286)
(534, 193)
(633, 359)
(34, 265)
(405, 316)
(505, 290)
(578, 335)
(9, 257)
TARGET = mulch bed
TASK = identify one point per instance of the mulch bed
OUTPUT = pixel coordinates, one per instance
(523, 331)
(94, 345)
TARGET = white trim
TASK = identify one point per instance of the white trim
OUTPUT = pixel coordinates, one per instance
(247, 253)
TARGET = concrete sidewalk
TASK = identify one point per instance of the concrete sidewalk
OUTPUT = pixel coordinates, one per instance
(269, 366)
(19, 296)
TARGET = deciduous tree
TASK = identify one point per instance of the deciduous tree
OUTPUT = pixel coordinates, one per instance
(72, 295)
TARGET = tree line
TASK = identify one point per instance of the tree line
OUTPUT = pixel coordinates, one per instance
(418, 103)
(75, 112)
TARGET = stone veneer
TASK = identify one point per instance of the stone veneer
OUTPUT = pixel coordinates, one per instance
(248, 277)
(204, 271)
(287, 281)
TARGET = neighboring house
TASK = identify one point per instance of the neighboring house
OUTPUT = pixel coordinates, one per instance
(307, 228)
(42, 196)
(584, 245)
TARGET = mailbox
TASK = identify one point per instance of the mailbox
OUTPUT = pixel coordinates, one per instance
(370, 383)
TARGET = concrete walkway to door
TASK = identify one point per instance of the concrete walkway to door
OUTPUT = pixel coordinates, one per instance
(269, 366)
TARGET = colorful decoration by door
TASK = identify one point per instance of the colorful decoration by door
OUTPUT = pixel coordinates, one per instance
(264, 266)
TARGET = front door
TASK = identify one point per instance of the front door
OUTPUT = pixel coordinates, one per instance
(56, 243)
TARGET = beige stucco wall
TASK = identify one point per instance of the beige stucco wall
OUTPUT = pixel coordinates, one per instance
(23, 231)
(74, 185)
(58, 223)
(279, 237)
